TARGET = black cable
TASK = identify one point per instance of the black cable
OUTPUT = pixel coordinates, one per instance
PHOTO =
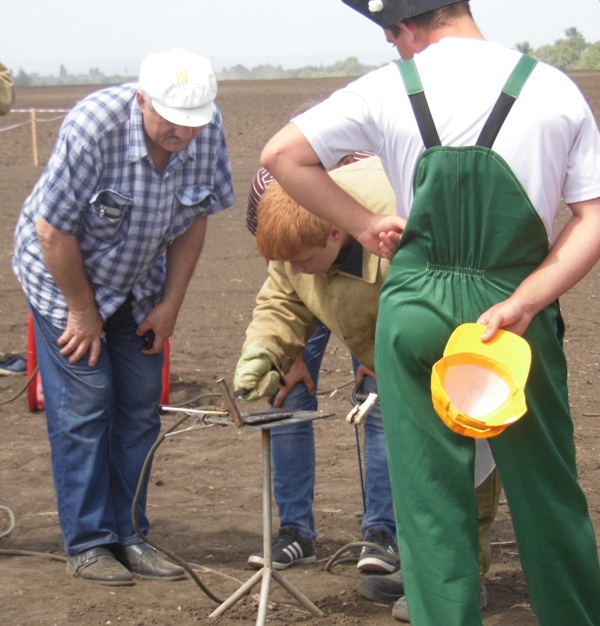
(16, 395)
(6, 533)
(191, 400)
(335, 560)
(136, 526)
(326, 392)
(134, 515)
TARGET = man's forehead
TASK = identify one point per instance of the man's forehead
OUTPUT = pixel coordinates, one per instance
(303, 253)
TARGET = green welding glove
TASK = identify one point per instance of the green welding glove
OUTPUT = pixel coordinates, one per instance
(254, 372)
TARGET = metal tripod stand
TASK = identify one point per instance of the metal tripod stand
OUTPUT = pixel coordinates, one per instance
(266, 574)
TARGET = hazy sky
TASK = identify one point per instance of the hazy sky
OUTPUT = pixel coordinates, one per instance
(115, 35)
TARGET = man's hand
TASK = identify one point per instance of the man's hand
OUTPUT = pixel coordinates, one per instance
(507, 315)
(254, 372)
(382, 234)
(361, 373)
(388, 244)
(83, 332)
(161, 321)
(297, 374)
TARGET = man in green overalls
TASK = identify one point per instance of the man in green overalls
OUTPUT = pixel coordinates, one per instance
(477, 246)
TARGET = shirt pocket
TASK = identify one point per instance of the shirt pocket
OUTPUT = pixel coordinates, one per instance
(200, 196)
(107, 215)
(190, 204)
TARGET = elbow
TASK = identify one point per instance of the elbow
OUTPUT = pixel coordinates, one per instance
(47, 234)
(279, 149)
(269, 157)
(44, 232)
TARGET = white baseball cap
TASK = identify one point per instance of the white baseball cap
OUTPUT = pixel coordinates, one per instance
(182, 86)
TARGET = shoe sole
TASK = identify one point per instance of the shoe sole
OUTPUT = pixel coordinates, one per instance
(373, 564)
(380, 597)
(106, 583)
(158, 579)
(400, 613)
(259, 561)
(382, 589)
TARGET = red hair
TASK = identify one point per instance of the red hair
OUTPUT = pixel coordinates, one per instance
(284, 227)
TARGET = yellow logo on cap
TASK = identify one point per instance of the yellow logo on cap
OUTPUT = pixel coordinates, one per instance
(181, 76)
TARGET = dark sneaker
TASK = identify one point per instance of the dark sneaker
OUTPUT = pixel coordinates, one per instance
(381, 557)
(14, 364)
(400, 608)
(288, 548)
(383, 589)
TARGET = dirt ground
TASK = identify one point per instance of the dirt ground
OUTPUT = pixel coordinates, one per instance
(205, 493)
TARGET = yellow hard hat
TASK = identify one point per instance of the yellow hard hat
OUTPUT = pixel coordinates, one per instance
(478, 388)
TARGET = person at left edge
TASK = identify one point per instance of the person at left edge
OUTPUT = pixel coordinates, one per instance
(7, 90)
(105, 247)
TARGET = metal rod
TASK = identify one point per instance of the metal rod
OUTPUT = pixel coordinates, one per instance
(360, 470)
(230, 402)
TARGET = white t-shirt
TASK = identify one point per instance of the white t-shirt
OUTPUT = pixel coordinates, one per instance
(550, 138)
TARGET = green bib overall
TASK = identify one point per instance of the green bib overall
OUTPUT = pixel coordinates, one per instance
(472, 237)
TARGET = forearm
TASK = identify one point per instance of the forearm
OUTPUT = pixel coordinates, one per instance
(280, 320)
(182, 257)
(297, 168)
(575, 252)
(295, 165)
(63, 259)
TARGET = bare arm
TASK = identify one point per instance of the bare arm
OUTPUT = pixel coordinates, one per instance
(575, 252)
(64, 262)
(295, 165)
(182, 256)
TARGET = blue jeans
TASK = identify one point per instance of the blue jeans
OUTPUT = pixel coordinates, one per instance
(102, 422)
(293, 458)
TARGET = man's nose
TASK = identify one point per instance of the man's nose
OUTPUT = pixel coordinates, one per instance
(185, 133)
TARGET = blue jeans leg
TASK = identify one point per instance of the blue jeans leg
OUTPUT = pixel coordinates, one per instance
(102, 422)
(380, 510)
(293, 449)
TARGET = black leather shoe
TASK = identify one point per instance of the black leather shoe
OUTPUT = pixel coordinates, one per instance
(143, 562)
(98, 565)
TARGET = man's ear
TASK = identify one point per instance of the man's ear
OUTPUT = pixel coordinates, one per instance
(409, 29)
(141, 100)
(335, 233)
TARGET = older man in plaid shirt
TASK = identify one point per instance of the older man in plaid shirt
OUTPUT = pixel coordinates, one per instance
(105, 247)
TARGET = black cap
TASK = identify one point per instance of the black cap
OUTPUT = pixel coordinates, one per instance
(387, 12)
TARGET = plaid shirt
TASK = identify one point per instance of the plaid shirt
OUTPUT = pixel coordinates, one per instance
(101, 186)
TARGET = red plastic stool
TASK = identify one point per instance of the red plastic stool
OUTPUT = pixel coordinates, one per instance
(35, 393)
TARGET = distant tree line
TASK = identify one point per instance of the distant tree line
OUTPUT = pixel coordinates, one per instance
(348, 67)
(572, 52)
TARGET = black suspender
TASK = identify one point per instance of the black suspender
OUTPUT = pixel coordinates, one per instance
(416, 95)
(491, 128)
